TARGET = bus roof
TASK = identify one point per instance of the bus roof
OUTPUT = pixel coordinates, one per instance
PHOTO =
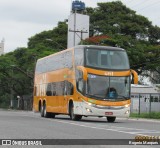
(100, 47)
(84, 46)
(55, 53)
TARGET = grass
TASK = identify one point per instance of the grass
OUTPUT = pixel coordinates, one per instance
(152, 115)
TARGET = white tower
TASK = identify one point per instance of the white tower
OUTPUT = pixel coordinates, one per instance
(78, 24)
(2, 47)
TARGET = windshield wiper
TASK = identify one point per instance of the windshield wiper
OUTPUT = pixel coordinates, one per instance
(124, 97)
(93, 96)
(119, 97)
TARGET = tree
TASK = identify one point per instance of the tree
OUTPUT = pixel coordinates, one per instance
(53, 39)
(111, 23)
(17, 72)
(127, 30)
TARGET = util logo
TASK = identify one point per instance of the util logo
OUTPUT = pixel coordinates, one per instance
(109, 73)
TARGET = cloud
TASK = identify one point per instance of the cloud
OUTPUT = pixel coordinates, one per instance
(34, 11)
(16, 34)
(21, 19)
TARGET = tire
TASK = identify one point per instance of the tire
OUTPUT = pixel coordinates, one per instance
(46, 114)
(73, 116)
(111, 119)
(42, 111)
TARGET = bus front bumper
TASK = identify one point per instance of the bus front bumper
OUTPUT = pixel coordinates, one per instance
(88, 109)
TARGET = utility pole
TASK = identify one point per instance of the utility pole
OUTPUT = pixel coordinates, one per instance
(11, 90)
(75, 31)
(2, 47)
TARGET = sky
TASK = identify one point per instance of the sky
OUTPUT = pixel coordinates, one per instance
(22, 19)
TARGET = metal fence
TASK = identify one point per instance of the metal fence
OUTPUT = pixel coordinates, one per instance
(145, 103)
(140, 103)
(24, 103)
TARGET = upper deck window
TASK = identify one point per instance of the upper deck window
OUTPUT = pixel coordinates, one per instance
(106, 59)
(55, 62)
(79, 56)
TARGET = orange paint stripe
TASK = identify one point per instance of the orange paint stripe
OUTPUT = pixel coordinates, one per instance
(108, 73)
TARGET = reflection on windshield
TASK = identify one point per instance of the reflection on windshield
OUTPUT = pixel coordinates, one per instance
(107, 59)
(110, 88)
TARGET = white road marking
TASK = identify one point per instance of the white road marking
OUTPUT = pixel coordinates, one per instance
(125, 130)
(110, 129)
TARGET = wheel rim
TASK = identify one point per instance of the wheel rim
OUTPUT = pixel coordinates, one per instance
(42, 111)
(45, 110)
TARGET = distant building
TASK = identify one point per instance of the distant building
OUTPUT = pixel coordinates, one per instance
(157, 87)
(143, 89)
(145, 99)
(2, 47)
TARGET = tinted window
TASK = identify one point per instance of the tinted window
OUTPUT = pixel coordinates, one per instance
(106, 59)
(79, 56)
(59, 88)
(114, 88)
(49, 90)
(68, 88)
(51, 63)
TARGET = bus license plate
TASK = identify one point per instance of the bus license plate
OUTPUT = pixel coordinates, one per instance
(108, 113)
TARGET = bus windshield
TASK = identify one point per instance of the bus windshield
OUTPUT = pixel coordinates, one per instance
(106, 59)
(108, 88)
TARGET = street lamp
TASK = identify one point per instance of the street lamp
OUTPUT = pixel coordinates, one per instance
(11, 88)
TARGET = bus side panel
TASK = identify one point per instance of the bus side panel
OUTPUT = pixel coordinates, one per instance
(35, 104)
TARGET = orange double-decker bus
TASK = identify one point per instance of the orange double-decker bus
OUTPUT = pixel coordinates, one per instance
(86, 80)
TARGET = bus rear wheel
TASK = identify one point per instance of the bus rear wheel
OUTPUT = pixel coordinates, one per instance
(46, 114)
(111, 119)
(73, 116)
(42, 111)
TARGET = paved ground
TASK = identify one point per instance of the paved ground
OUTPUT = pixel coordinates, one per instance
(29, 125)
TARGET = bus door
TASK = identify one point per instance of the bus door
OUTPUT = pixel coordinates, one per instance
(68, 91)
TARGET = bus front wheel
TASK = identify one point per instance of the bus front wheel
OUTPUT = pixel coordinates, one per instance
(73, 116)
(111, 119)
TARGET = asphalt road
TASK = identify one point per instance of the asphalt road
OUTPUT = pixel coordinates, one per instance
(29, 125)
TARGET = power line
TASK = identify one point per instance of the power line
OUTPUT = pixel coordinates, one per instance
(148, 6)
(77, 31)
(141, 2)
(153, 3)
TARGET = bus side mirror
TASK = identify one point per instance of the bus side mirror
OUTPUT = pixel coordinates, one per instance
(80, 85)
(135, 77)
(81, 68)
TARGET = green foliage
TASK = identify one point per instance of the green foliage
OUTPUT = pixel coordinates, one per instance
(122, 26)
(152, 115)
(17, 72)
(114, 17)
(17, 67)
(53, 39)
(127, 30)
(4, 101)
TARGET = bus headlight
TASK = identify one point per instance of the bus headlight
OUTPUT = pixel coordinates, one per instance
(89, 104)
(127, 105)
(127, 112)
(88, 110)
